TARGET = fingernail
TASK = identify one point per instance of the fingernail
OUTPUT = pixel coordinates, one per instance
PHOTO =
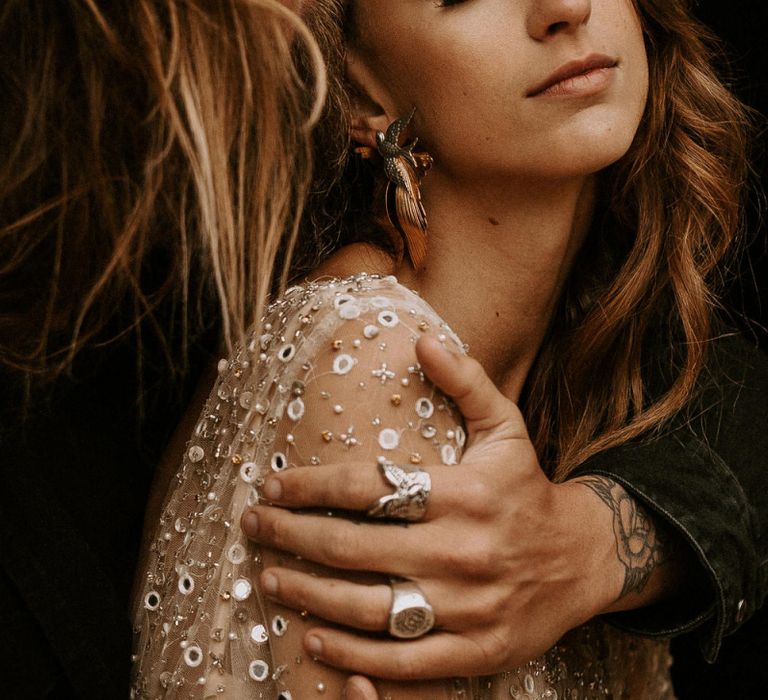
(273, 489)
(314, 645)
(269, 583)
(251, 524)
(352, 692)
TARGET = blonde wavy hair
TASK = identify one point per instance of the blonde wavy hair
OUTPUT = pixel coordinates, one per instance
(144, 146)
(669, 215)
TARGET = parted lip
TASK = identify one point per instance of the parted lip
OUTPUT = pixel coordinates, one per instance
(572, 69)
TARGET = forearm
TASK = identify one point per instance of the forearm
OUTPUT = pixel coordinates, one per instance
(690, 489)
(703, 478)
(645, 561)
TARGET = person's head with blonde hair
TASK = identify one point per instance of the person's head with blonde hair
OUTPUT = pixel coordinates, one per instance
(152, 152)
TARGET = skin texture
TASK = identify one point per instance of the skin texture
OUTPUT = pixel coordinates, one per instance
(468, 70)
(526, 163)
(509, 200)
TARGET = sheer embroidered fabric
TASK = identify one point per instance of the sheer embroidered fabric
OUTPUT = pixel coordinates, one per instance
(332, 376)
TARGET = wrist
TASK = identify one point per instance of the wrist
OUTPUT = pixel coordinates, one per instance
(599, 575)
(644, 564)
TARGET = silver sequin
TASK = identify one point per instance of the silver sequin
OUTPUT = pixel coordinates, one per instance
(424, 408)
(193, 656)
(195, 454)
(258, 670)
(242, 589)
(249, 472)
(389, 439)
(279, 462)
(343, 364)
(259, 634)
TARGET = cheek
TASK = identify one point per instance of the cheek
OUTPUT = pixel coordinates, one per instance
(636, 96)
(477, 109)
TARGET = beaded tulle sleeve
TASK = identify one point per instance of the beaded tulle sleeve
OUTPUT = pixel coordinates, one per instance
(331, 376)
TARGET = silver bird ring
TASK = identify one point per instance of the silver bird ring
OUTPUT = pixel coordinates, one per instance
(409, 499)
(410, 615)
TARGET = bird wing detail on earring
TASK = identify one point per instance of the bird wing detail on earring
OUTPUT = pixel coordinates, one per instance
(404, 169)
(406, 212)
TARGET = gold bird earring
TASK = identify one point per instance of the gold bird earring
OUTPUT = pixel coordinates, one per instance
(404, 170)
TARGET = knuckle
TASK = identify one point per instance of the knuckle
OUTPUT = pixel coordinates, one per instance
(474, 375)
(406, 666)
(318, 493)
(458, 560)
(478, 497)
(493, 652)
(496, 651)
(355, 490)
(475, 371)
(276, 531)
(339, 546)
(497, 608)
(293, 591)
(477, 561)
(369, 617)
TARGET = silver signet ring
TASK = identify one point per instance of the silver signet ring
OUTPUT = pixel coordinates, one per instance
(410, 616)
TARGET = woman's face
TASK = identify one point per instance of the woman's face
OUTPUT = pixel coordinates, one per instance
(532, 88)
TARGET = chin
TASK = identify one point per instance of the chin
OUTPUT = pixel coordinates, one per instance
(593, 149)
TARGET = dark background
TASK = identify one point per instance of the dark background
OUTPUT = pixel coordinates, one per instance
(741, 670)
(743, 27)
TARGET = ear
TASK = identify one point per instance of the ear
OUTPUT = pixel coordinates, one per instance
(372, 105)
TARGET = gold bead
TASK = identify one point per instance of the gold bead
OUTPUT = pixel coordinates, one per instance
(415, 458)
(338, 344)
(327, 436)
(396, 399)
(423, 326)
(237, 459)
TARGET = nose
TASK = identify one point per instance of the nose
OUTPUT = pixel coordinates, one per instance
(547, 18)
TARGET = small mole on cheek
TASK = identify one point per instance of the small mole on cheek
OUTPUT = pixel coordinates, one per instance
(498, 314)
(494, 222)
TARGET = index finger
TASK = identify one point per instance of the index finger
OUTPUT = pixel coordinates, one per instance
(354, 486)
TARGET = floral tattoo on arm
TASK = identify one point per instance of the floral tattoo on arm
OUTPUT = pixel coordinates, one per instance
(640, 545)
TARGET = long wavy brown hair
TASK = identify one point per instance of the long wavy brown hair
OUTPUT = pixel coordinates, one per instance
(644, 292)
(153, 153)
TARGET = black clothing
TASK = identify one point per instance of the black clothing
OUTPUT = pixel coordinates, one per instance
(707, 475)
(75, 474)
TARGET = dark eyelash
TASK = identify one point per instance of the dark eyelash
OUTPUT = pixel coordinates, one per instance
(448, 3)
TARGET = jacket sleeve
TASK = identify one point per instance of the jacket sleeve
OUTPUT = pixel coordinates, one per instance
(707, 477)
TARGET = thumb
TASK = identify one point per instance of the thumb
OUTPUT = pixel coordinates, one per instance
(359, 688)
(484, 407)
